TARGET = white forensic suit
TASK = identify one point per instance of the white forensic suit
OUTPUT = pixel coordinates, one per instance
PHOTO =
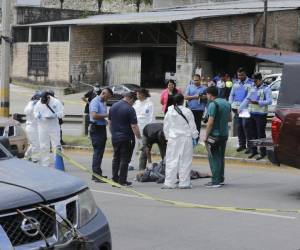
(179, 155)
(32, 132)
(145, 114)
(48, 126)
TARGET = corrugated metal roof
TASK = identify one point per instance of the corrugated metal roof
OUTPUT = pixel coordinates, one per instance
(180, 14)
(281, 59)
(268, 54)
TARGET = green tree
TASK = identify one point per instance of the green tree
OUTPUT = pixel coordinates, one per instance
(138, 3)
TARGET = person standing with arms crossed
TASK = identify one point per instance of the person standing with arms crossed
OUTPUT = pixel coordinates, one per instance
(195, 95)
(124, 128)
(98, 113)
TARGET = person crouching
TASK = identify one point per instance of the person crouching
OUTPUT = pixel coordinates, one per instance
(180, 130)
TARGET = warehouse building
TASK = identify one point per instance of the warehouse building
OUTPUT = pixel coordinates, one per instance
(142, 48)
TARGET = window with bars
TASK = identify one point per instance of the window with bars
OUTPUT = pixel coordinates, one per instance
(21, 34)
(60, 34)
(39, 34)
(38, 60)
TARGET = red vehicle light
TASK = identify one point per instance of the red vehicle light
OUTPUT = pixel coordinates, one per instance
(276, 127)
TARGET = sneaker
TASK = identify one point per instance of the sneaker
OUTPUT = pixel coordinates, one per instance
(260, 157)
(252, 155)
(126, 184)
(130, 168)
(247, 151)
(167, 187)
(98, 181)
(240, 148)
(95, 179)
(211, 185)
(185, 187)
(221, 183)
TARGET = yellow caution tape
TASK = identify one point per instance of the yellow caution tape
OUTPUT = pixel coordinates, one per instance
(171, 202)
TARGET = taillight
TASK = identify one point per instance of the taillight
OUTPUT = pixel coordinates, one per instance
(276, 126)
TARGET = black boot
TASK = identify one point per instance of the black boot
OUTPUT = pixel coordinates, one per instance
(252, 155)
(240, 148)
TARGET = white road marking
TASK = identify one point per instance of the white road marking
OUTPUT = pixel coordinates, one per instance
(245, 212)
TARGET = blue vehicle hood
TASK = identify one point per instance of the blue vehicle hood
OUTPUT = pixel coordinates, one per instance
(50, 183)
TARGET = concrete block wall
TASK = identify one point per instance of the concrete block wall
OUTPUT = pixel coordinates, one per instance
(59, 61)
(233, 29)
(91, 5)
(86, 54)
(26, 15)
(58, 64)
(283, 30)
(20, 61)
(283, 33)
(184, 60)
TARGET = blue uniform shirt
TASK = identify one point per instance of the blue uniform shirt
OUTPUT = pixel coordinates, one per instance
(260, 94)
(239, 92)
(98, 106)
(192, 90)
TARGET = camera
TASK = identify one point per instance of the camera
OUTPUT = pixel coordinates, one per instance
(205, 119)
(44, 97)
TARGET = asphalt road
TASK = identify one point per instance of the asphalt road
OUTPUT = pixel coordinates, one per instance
(139, 224)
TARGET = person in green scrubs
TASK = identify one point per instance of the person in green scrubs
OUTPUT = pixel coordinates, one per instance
(219, 115)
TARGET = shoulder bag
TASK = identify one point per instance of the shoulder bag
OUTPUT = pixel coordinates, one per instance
(214, 141)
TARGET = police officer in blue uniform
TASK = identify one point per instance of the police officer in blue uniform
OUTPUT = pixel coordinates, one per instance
(238, 94)
(257, 102)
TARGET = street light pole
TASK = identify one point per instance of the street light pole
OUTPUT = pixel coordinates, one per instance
(265, 23)
(5, 58)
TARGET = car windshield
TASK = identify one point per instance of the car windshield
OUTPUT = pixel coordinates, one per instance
(4, 154)
(276, 85)
(289, 91)
(269, 80)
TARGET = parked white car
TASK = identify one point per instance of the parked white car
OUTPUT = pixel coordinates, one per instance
(269, 79)
(275, 88)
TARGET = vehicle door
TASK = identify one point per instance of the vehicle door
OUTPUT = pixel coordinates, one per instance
(288, 111)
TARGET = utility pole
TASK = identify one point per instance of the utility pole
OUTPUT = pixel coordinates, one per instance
(5, 58)
(265, 23)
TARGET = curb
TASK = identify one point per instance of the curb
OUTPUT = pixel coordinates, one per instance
(199, 157)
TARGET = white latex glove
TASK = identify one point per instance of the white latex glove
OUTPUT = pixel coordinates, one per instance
(150, 166)
(140, 144)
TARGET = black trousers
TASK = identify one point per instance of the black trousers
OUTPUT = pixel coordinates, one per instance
(122, 156)
(198, 114)
(87, 123)
(257, 130)
(242, 129)
(98, 137)
(143, 155)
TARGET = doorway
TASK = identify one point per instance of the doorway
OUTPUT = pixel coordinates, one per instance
(156, 62)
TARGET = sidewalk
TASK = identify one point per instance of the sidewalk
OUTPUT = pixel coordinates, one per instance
(84, 144)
